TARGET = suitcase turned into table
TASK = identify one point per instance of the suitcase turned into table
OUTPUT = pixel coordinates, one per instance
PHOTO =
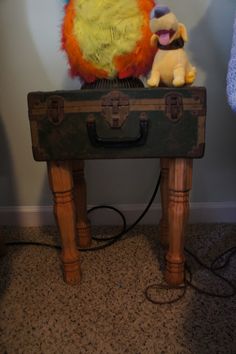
(68, 127)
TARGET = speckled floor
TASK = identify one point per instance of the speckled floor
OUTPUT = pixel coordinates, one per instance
(108, 313)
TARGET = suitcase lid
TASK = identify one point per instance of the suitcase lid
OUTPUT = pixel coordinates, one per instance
(115, 104)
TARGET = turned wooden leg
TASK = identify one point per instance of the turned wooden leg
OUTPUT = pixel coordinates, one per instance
(163, 226)
(61, 182)
(180, 183)
(82, 223)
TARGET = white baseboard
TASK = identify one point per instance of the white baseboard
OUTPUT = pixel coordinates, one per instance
(221, 212)
(26, 215)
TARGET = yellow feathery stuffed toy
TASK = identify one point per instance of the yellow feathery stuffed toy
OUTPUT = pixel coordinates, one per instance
(171, 65)
(107, 39)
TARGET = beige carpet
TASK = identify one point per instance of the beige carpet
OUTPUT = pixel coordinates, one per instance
(108, 312)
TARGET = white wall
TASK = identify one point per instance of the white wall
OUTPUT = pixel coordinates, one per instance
(31, 60)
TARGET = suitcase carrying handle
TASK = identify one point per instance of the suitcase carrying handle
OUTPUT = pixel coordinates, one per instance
(117, 143)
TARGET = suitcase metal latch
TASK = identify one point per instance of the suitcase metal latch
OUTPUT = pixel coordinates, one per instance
(115, 108)
(174, 106)
(55, 109)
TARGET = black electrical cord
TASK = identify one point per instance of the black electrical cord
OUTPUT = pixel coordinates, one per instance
(158, 286)
(112, 239)
(102, 239)
(155, 299)
(213, 269)
(232, 252)
(161, 286)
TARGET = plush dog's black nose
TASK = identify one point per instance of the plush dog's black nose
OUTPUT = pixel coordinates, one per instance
(159, 11)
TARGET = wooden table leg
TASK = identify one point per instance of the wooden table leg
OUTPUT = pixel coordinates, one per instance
(180, 183)
(82, 223)
(163, 225)
(61, 183)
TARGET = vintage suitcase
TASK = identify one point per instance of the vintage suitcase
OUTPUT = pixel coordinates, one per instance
(118, 123)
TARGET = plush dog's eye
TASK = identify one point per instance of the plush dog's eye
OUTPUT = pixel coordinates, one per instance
(152, 13)
(159, 11)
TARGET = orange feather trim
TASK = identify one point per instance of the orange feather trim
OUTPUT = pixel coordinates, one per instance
(136, 63)
(78, 65)
(140, 60)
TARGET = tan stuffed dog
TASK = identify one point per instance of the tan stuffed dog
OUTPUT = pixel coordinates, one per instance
(171, 65)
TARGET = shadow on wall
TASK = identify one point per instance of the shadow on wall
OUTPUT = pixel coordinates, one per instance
(210, 45)
(8, 196)
(44, 66)
(20, 74)
(8, 190)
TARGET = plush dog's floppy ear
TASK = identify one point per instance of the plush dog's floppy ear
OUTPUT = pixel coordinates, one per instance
(154, 40)
(183, 32)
